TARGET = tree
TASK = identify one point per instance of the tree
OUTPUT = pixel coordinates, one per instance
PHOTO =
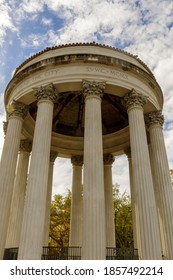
(123, 218)
(60, 219)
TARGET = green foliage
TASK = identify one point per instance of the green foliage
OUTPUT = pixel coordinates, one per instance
(123, 218)
(60, 219)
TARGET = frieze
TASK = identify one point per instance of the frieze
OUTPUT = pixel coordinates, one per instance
(41, 76)
(106, 71)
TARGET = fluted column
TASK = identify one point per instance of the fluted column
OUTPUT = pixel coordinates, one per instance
(132, 195)
(32, 235)
(53, 156)
(17, 112)
(16, 213)
(76, 202)
(108, 160)
(148, 237)
(94, 235)
(162, 180)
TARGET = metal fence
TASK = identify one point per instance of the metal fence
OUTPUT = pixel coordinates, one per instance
(61, 253)
(113, 253)
(11, 254)
(74, 253)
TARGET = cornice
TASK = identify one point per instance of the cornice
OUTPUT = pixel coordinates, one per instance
(85, 58)
(83, 44)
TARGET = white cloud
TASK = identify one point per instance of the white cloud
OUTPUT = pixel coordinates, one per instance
(120, 170)
(86, 21)
(62, 177)
(46, 21)
(6, 21)
(32, 6)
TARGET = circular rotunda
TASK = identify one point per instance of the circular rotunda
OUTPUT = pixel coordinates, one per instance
(87, 102)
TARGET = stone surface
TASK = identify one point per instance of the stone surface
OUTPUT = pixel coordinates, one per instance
(75, 238)
(108, 160)
(162, 181)
(94, 236)
(53, 156)
(17, 205)
(148, 237)
(7, 171)
(32, 235)
(132, 195)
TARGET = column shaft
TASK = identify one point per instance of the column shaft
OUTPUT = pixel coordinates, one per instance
(53, 156)
(76, 203)
(8, 167)
(17, 205)
(162, 181)
(148, 236)
(94, 236)
(109, 207)
(32, 235)
(133, 203)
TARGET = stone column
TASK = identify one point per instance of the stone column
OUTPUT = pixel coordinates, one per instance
(162, 180)
(32, 234)
(94, 235)
(76, 203)
(17, 205)
(133, 203)
(17, 112)
(148, 237)
(108, 160)
(53, 156)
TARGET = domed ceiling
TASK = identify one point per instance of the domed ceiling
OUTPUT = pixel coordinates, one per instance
(68, 114)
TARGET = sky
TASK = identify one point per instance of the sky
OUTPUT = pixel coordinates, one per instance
(143, 28)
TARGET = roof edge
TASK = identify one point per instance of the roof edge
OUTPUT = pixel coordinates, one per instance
(81, 44)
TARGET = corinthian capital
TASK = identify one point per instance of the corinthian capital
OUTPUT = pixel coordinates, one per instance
(108, 159)
(17, 109)
(25, 146)
(93, 88)
(5, 125)
(154, 118)
(127, 151)
(53, 156)
(77, 160)
(47, 92)
(133, 99)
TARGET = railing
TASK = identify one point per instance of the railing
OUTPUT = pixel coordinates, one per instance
(113, 253)
(11, 254)
(74, 253)
(61, 253)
